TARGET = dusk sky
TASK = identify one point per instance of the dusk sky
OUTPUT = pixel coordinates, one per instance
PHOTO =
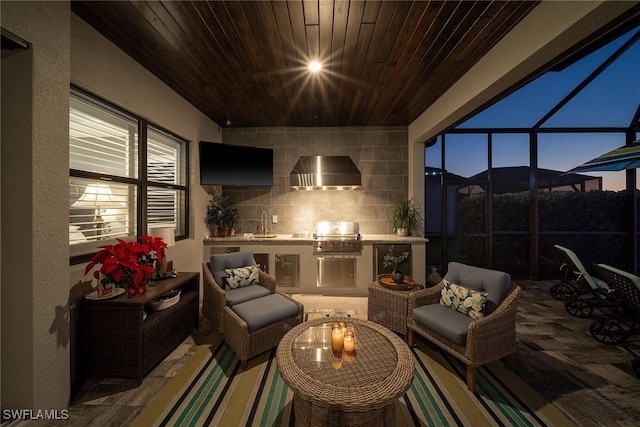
(610, 100)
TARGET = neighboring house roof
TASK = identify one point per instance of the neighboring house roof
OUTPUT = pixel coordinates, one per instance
(515, 179)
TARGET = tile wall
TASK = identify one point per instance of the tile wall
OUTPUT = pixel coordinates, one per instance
(381, 154)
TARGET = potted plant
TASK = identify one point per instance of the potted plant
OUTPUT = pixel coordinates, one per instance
(221, 215)
(393, 260)
(405, 217)
(127, 265)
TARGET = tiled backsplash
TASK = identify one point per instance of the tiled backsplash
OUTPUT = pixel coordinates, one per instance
(381, 154)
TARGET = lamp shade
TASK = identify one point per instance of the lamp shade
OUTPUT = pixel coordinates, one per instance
(97, 196)
(165, 231)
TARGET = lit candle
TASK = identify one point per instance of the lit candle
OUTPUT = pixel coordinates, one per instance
(343, 325)
(347, 357)
(336, 338)
(349, 342)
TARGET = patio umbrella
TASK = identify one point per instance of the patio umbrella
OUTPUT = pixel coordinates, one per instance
(625, 157)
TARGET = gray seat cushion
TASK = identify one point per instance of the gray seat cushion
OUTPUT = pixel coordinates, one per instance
(495, 283)
(444, 321)
(265, 311)
(246, 293)
(229, 260)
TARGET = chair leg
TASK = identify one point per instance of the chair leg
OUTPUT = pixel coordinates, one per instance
(410, 337)
(471, 378)
(509, 361)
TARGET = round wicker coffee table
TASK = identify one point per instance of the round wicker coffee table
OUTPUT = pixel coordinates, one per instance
(358, 389)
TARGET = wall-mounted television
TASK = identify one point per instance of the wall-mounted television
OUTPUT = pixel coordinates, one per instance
(237, 165)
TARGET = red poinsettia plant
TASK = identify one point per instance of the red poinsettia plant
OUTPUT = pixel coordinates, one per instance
(128, 264)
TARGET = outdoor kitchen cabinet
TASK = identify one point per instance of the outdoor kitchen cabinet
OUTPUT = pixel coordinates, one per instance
(287, 270)
(308, 261)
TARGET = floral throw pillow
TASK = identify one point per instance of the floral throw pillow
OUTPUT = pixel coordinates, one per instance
(242, 276)
(466, 301)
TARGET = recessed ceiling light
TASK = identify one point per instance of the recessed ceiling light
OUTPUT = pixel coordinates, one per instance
(315, 66)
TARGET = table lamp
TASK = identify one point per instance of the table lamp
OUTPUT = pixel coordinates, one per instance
(167, 233)
(99, 197)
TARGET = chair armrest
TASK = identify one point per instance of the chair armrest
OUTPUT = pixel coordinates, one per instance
(213, 297)
(212, 284)
(268, 281)
(494, 336)
(422, 297)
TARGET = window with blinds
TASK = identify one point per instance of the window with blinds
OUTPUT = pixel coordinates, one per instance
(166, 175)
(112, 194)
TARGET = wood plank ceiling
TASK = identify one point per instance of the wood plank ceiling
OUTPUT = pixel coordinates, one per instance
(384, 62)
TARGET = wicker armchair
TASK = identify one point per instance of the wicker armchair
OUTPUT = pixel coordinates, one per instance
(484, 340)
(215, 297)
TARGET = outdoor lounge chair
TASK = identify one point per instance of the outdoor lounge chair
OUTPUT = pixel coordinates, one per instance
(581, 291)
(620, 325)
(568, 287)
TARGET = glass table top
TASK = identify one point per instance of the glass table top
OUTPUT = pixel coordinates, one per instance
(374, 359)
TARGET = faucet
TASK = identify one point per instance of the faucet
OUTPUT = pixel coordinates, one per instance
(263, 223)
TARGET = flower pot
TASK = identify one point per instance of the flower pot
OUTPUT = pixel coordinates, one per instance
(139, 290)
(104, 290)
(223, 231)
(402, 232)
(397, 276)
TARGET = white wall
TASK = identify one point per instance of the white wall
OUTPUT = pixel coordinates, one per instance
(35, 257)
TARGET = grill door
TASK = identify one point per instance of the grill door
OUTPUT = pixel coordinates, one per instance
(336, 272)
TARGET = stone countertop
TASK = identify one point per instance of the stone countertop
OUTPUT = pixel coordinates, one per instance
(257, 238)
(290, 239)
(392, 238)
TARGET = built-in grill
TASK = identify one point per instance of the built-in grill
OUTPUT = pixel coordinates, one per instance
(341, 237)
(337, 246)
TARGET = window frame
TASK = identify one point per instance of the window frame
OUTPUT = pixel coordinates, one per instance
(141, 182)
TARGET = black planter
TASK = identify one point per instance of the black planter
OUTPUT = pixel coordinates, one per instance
(397, 276)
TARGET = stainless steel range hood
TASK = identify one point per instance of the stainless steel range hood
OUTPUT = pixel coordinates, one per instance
(325, 173)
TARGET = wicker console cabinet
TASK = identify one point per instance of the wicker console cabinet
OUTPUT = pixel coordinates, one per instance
(116, 340)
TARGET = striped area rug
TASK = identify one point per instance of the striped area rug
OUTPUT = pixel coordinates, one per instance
(212, 389)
